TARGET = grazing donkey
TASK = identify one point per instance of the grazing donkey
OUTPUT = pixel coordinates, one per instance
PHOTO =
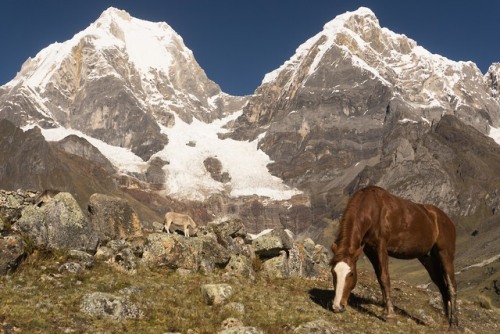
(178, 219)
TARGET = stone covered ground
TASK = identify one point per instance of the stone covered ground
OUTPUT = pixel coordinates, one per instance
(68, 271)
(69, 293)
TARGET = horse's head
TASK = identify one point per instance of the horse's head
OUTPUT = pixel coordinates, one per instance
(344, 275)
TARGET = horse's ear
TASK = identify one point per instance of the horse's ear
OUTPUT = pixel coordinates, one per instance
(334, 248)
(358, 251)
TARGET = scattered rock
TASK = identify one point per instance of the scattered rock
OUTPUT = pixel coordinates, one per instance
(234, 309)
(272, 243)
(241, 330)
(231, 323)
(71, 267)
(276, 267)
(228, 227)
(106, 305)
(83, 258)
(241, 266)
(317, 327)
(12, 203)
(216, 294)
(11, 253)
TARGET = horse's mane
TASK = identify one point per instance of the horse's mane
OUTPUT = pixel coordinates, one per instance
(345, 227)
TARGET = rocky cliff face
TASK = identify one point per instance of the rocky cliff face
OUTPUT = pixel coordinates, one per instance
(359, 104)
(102, 84)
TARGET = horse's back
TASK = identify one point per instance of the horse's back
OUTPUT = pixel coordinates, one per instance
(407, 229)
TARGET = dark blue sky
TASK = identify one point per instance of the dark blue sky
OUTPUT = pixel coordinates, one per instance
(238, 42)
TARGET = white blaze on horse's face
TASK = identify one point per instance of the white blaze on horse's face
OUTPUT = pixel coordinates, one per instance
(341, 270)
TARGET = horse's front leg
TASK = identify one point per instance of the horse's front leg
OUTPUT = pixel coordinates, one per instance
(385, 285)
(380, 262)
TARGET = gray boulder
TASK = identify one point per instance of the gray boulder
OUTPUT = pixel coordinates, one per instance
(307, 259)
(242, 330)
(106, 305)
(11, 253)
(59, 223)
(318, 327)
(272, 243)
(241, 266)
(302, 259)
(216, 294)
(113, 218)
(228, 227)
(176, 251)
(276, 267)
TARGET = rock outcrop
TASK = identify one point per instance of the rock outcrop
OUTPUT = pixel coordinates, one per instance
(225, 245)
(113, 233)
(59, 223)
(113, 218)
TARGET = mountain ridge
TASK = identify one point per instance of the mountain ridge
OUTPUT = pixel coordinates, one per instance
(351, 98)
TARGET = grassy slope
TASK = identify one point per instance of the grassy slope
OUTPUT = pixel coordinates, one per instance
(38, 299)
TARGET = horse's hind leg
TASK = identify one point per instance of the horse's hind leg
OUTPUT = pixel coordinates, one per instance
(446, 261)
(437, 272)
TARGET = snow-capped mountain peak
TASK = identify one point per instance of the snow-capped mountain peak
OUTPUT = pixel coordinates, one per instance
(149, 45)
(427, 82)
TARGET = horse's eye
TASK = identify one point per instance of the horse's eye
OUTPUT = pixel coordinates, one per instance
(350, 274)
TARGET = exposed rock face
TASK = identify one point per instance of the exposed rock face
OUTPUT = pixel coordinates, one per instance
(214, 167)
(30, 162)
(453, 166)
(102, 86)
(81, 147)
(357, 98)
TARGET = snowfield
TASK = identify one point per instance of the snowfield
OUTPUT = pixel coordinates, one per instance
(189, 145)
(495, 134)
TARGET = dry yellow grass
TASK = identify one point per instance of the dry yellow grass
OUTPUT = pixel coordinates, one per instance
(40, 299)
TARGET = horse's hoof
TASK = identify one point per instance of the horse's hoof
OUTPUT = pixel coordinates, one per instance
(339, 310)
(390, 318)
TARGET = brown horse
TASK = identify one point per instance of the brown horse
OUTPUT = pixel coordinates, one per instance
(384, 225)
